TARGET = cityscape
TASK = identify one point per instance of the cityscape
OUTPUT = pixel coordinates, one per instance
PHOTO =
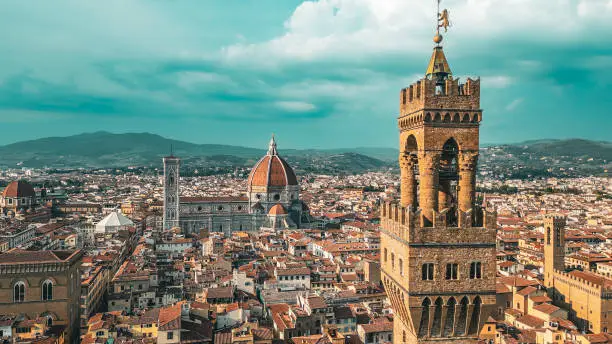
(133, 237)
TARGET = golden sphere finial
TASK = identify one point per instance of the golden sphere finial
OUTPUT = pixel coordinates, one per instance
(438, 38)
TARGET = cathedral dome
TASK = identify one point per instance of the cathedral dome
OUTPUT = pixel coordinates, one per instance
(19, 189)
(272, 170)
(277, 209)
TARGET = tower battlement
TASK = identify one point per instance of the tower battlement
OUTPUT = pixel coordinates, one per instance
(554, 220)
(408, 225)
(428, 94)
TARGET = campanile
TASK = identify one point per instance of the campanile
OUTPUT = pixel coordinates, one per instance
(437, 243)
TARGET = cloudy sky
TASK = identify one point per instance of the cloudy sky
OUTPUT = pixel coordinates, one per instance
(323, 73)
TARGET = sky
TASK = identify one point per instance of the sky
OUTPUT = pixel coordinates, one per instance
(318, 74)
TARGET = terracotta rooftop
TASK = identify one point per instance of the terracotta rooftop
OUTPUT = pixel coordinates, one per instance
(277, 209)
(271, 170)
(531, 321)
(546, 308)
(19, 256)
(18, 189)
(386, 326)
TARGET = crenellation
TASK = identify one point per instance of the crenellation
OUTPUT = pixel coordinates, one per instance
(424, 95)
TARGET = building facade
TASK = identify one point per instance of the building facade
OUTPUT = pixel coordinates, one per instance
(437, 246)
(43, 284)
(272, 200)
(585, 294)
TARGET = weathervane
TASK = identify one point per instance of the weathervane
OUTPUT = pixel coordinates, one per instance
(442, 22)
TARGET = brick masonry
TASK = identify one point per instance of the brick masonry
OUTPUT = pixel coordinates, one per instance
(439, 129)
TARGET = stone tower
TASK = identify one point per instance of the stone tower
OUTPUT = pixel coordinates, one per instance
(437, 246)
(554, 247)
(171, 191)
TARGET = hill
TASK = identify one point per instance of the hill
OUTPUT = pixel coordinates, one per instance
(103, 149)
(568, 148)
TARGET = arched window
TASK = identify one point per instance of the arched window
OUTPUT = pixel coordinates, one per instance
(460, 325)
(449, 324)
(475, 321)
(548, 236)
(47, 290)
(19, 292)
(401, 267)
(424, 323)
(436, 327)
(392, 260)
(385, 255)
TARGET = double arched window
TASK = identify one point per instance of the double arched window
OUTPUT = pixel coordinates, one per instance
(47, 290)
(19, 290)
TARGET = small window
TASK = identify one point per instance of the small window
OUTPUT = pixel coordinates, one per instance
(427, 272)
(451, 271)
(170, 335)
(475, 270)
(19, 292)
(401, 267)
(276, 197)
(47, 290)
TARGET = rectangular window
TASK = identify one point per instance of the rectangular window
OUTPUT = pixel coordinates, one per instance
(451, 271)
(170, 335)
(475, 270)
(427, 272)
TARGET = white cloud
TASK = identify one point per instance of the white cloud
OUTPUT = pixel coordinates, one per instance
(514, 104)
(329, 28)
(497, 81)
(295, 106)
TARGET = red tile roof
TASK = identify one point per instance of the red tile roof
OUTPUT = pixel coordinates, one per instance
(272, 170)
(19, 189)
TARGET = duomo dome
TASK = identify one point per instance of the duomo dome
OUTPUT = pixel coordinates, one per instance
(271, 171)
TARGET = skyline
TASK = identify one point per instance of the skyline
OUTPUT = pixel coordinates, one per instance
(324, 74)
(265, 145)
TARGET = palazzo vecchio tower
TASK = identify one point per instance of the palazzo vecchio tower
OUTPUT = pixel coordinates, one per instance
(437, 244)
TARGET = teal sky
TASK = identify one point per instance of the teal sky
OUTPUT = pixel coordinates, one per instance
(319, 74)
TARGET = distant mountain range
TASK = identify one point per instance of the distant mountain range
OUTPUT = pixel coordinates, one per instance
(568, 148)
(104, 149)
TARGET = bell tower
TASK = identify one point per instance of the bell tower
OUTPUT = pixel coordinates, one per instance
(171, 191)
(437, 245)
(554, 247)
